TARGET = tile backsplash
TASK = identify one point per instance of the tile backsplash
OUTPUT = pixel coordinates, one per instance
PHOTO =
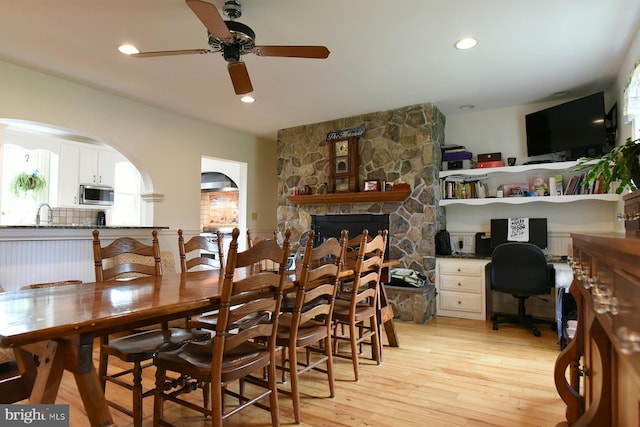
(73, 216)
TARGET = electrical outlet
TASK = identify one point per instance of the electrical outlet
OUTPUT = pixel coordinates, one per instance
(468, 241)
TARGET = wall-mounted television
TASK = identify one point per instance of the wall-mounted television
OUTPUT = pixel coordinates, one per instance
(576, 128)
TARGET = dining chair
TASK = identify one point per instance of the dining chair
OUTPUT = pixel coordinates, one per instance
(360, 313)
(127, 258)
(17, 377)
(209, 320)
(351, 254)
(51, 284)
(307, 325)
(212, 258)
(244, 342)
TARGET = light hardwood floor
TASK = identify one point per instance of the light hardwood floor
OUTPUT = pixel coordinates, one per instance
(448, 372)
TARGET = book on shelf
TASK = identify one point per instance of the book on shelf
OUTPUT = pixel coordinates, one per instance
(578, 185)
(463, 190)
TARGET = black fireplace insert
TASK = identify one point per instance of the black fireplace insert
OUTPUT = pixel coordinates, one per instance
(326, 226)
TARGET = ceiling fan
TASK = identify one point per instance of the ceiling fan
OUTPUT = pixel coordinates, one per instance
(235, 39)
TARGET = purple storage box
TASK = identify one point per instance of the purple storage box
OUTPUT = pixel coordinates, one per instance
(459, 155)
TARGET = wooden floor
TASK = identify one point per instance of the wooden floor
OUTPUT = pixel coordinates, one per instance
(448, 372)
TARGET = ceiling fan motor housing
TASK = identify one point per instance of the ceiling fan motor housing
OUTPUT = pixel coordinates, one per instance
(242, 42)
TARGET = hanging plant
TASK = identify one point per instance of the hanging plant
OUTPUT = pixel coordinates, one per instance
(27, 183)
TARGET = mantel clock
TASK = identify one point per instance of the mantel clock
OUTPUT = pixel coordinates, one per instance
(343, 165)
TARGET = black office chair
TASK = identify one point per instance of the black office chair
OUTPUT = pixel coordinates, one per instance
(520, 269)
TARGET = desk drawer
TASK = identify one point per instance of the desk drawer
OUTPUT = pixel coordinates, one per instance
(461, 283)
(459, 301)
(463, 268)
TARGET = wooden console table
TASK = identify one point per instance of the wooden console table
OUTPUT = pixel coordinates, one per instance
(598, 374)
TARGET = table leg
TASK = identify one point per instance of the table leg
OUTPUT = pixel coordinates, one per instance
(45, 389)
(74, 354)
(386, 317)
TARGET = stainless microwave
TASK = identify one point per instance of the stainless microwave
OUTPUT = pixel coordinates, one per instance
(95, 195)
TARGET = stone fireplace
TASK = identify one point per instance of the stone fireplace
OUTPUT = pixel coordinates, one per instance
(325, 226)
(399, 146)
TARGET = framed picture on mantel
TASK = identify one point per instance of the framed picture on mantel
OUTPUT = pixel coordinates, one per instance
(371, 185)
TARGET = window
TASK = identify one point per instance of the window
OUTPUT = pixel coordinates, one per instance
(631, 109)
(21, 209)
(126, 195)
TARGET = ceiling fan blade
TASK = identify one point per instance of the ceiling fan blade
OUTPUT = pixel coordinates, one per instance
(240, 77)
(210, 17)
(320, 52)
(170, 52)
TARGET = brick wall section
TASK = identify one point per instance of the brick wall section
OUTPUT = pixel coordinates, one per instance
(401, 145)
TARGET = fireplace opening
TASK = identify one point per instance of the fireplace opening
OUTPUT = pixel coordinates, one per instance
(326, 226)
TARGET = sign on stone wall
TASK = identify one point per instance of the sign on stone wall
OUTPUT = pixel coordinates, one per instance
(346, 133)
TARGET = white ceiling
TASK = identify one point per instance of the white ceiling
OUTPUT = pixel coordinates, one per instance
(384, 54)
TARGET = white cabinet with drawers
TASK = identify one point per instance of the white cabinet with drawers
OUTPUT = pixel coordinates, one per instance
(461, 288)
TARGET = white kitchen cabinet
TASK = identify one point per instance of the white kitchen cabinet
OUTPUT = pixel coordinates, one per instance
(68, 175)
(461, 288)
(97, 166)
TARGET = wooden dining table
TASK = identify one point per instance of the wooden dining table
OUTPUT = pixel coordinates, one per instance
(59, 324)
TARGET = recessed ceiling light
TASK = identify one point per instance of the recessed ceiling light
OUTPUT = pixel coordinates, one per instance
(128, 49)
(466, 43)
(248, 99)
(467, 107)
(560, 94)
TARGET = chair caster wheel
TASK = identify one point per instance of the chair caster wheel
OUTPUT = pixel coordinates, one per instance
(537, 333)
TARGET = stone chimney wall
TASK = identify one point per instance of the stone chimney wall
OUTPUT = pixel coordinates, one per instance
(401, 145)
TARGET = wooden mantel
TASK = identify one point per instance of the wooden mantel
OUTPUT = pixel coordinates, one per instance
(360, 197)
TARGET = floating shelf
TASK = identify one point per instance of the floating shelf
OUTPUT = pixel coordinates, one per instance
(523, 200)
(341, 198)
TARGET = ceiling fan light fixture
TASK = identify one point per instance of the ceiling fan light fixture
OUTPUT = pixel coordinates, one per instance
(128, 49)
(247, 99)
(466, 43)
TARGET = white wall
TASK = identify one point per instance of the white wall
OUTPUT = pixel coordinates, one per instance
(165, 147)
(503, 130)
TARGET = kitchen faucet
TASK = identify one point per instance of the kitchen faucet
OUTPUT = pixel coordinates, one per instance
(49, 217)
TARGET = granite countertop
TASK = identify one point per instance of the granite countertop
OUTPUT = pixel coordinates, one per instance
(38, 233)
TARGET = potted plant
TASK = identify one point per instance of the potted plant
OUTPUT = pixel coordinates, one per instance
(622, 164)
(27, 183)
